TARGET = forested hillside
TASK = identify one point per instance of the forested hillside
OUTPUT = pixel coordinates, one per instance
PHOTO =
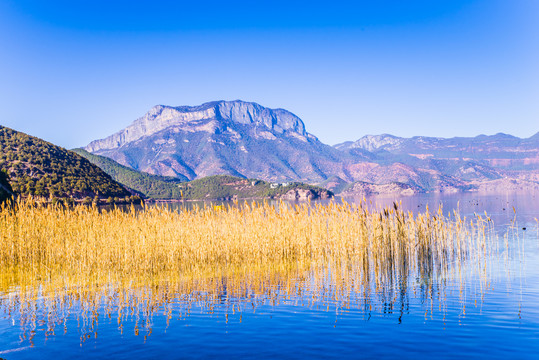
(217, 187)
(151, 186)
(5, 187)
(227, 187)
(38, 168)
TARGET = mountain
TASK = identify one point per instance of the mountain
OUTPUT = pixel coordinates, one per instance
(39, 168)
(224, 137)
(452, 164)
(247, 140)
(500, 151)
(217, 187)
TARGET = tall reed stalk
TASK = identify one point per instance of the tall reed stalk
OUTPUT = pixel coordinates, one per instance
(155, 239)
(58, 261)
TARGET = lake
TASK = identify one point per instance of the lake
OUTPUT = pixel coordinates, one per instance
(484, 307)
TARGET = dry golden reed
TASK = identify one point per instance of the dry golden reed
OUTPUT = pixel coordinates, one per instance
(128, 264)
(157, 238)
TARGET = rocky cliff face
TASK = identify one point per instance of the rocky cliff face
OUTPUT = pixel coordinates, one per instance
(224, 137)
(210, 117)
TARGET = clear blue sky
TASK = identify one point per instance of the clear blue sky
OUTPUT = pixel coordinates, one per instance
(74, 71)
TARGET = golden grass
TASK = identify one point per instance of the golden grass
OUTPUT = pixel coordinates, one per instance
(156, 239)
(58, 262)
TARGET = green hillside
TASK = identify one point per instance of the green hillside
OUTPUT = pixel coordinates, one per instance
(217, 187)
(227, 187)
(38, 168)
(5, 188)
(151, 186)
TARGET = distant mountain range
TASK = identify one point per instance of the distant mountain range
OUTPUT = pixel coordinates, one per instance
(500, 151)
(248, 140)
(460, 163)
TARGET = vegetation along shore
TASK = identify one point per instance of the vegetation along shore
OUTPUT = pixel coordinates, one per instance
(84, 238)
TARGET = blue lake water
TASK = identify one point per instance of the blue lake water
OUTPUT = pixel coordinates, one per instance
(481, 312)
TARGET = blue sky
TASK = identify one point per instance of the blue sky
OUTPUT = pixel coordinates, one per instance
(75, 71)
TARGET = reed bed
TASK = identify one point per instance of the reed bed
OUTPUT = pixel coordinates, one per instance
(130, 264)
(157, 238)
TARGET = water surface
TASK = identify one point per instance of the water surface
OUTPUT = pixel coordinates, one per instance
(486, 309)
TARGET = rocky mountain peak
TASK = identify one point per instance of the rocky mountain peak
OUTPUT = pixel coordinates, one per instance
(248, 140)
(279, 120)
(372, 142)
(161, 117)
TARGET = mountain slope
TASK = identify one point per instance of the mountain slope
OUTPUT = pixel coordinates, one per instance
(152, 186)
(217, 187)
(224, 137)
(39, 168)
(5, 188)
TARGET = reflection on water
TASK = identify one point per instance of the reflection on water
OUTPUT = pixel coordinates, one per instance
(48, 300)
(419, 286)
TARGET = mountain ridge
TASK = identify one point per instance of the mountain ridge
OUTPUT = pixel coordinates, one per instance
(245, 139)
(161, 117)
(236, 138)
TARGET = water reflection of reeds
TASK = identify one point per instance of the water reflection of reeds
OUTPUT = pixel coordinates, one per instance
(133, 265)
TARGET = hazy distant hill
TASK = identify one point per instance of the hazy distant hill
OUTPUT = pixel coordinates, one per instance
(39, 168)
(497, 151)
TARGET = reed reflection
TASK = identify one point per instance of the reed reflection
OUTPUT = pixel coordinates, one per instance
(129, 267)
